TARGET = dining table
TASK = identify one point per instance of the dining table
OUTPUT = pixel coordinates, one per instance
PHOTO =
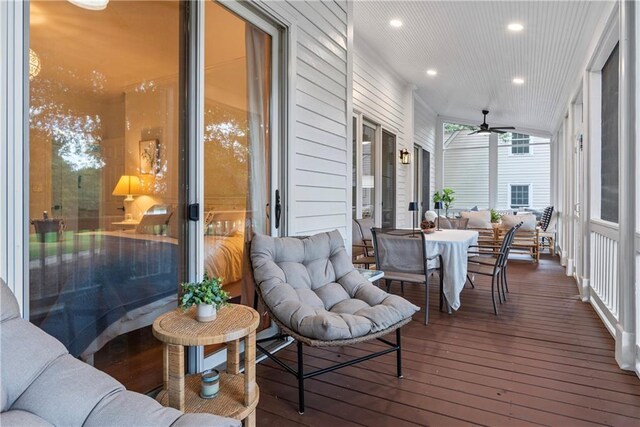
(452, 246)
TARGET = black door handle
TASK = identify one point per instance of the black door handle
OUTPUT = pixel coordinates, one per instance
(278, 208)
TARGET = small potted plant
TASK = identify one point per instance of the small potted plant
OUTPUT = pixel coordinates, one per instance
(495, 216)
(207, 295)
(447, 200)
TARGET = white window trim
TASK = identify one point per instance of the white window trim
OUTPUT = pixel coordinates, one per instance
(14, 149)
(512, 154)
(364, 119)
(529, 185)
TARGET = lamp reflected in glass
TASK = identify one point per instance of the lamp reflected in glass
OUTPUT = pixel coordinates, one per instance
(413, 207)
(128, 186)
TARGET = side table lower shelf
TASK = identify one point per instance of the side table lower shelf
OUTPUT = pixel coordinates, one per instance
(228, 403)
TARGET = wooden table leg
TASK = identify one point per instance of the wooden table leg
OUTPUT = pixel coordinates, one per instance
(249, 368)
(233, 357)
(250, 421)
(165, 366)
(175, 356)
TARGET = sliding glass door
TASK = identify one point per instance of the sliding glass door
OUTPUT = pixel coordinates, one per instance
(368, 159)
(105, 199)
(241, 176)
(388, 172)
(374, 172)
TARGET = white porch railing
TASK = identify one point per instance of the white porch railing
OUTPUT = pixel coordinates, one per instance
(604, 272)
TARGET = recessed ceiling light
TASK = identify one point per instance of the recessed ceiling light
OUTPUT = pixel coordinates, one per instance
(395, 23)
(515, 27)
(518, 81)
(432, 72)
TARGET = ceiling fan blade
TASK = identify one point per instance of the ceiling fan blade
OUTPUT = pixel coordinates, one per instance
(494, 130)
(474, 132)
(503, 127)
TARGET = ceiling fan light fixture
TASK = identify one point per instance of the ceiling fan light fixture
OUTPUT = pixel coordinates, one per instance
(518, 81)
(396, 23)
(432, 72)
(515, 27)
(90, 4)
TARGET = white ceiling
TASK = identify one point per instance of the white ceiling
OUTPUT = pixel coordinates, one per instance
(477, 57)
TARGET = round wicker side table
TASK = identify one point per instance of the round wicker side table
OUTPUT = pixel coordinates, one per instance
(239, 393)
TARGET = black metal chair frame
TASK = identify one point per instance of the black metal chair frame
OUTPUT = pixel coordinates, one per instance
(499, 265)
(301, 375)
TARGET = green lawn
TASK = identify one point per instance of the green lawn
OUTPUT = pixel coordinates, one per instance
(65, 245)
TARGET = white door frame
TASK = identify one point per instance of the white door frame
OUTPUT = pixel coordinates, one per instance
(278, 144)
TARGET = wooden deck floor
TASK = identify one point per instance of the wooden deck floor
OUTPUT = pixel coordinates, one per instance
(546, 359)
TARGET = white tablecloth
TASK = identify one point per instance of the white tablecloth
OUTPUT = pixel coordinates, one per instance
(453, 246)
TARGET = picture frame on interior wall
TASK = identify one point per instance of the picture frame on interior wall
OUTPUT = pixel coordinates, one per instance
(149, 156)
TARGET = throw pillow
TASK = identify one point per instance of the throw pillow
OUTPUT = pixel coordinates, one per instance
(528, 221)
(480, 219)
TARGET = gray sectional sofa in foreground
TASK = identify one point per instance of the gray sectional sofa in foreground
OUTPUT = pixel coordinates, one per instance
(43, 385)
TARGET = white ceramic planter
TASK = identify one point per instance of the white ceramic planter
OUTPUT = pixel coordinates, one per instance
(206, 312)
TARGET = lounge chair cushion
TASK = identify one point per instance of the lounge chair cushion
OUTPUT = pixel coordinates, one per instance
(480, 219)
(312, 288)
(528, 222)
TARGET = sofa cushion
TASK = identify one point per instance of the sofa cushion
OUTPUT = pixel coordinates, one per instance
(311, 287)
(25, 352)
(480, 219)
(17, 418)
(528, 221)
(67, 391)
(126, 408)
(9, 308)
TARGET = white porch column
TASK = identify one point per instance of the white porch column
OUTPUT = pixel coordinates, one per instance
(493, 170)
(569, 190)
(585, 209)
(439, 161)
(625, 328)
(14, 147)
(637, 231)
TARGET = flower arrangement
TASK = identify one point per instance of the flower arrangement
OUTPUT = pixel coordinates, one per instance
(428, 226)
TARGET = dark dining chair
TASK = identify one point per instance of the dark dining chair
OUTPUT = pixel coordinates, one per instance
(487, 260)
(404, 258)
(361, 250)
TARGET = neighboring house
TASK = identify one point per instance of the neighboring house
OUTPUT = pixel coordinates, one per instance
(523, 170)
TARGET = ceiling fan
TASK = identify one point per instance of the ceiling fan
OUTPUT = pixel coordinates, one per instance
(484, 127)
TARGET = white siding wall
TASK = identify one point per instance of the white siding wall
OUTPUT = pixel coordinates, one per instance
(466, 169)
(386, 99)
(533, 169)
(424, 121)
(320, 198)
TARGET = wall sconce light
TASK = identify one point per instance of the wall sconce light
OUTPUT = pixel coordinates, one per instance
(404, 157)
